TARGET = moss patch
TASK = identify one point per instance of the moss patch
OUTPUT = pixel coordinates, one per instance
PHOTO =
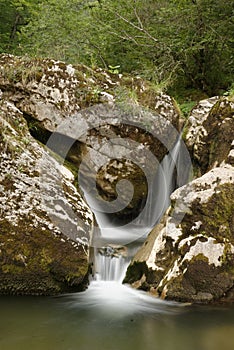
(39, 254)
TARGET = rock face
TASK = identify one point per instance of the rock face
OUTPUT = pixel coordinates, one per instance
(45, 225)
(50, 90)
(102, 116)
(96, 121)
(209, 134)
(189, 255)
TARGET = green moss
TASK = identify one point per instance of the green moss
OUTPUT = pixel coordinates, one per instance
(199, 257)
(51, 265)
(221, 110)
(46, 259)
(227, 258)
(11, 269)
(185, 131)
(215, 215)
(219, 212)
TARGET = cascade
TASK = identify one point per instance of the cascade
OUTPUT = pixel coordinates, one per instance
(109, 263)
(163, 185)
(116, 246)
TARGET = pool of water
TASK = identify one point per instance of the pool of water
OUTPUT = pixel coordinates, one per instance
(110, 317)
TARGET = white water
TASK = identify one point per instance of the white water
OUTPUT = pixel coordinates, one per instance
(158, 201)
(109, 268)
(163, 186)
(106, 291)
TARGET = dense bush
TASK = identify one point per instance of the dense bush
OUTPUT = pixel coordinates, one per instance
(177, 44)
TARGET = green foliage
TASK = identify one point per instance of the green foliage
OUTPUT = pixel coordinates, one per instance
(172, 43)
(186, 107)
(14, 14)
(113, 69)
(126, 96)
(230, 92)
(75, 41)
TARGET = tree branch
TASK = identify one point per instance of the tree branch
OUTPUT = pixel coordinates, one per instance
(138, 27)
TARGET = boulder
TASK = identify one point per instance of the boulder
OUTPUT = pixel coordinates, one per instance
(50, 91)
(209, 133)
(112, 127)
(45, 225)
(189, 255)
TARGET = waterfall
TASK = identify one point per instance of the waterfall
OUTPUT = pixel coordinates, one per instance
(116, 246)
(165, 183)
(109, 268)
(109, 263)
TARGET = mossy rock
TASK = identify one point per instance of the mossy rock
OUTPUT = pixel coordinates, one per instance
(35, 262)
(45, 225)
(189, 256)
(209, 133)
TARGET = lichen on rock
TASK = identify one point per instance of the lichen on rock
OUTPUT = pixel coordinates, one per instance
(209, 135)
(102, 113)
(189, 256)
(42, 250)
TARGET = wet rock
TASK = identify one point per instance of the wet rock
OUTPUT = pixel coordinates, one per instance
(189, 255)
(45, 225)
(113, 251)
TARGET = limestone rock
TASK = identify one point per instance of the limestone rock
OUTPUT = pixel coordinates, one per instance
(209, 135)
(189, 256)
(45, 225)
(50, 91)
(99, 121)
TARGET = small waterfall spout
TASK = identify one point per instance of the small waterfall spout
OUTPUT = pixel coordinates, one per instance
(111, 263)
(117, 245)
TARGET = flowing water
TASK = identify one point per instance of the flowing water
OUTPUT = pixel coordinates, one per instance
(110, 315)
(106, 292)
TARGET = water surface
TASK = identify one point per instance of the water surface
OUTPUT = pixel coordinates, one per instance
(85, 321)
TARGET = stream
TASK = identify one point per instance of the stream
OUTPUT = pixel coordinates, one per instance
(110, 315)
(63, 323)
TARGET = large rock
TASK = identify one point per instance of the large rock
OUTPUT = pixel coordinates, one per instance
(50, 91)
(209, 135)
(103, 118)
(189, 256)
(45, 225)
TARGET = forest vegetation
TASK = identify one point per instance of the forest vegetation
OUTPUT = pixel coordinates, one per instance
(184, 47)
